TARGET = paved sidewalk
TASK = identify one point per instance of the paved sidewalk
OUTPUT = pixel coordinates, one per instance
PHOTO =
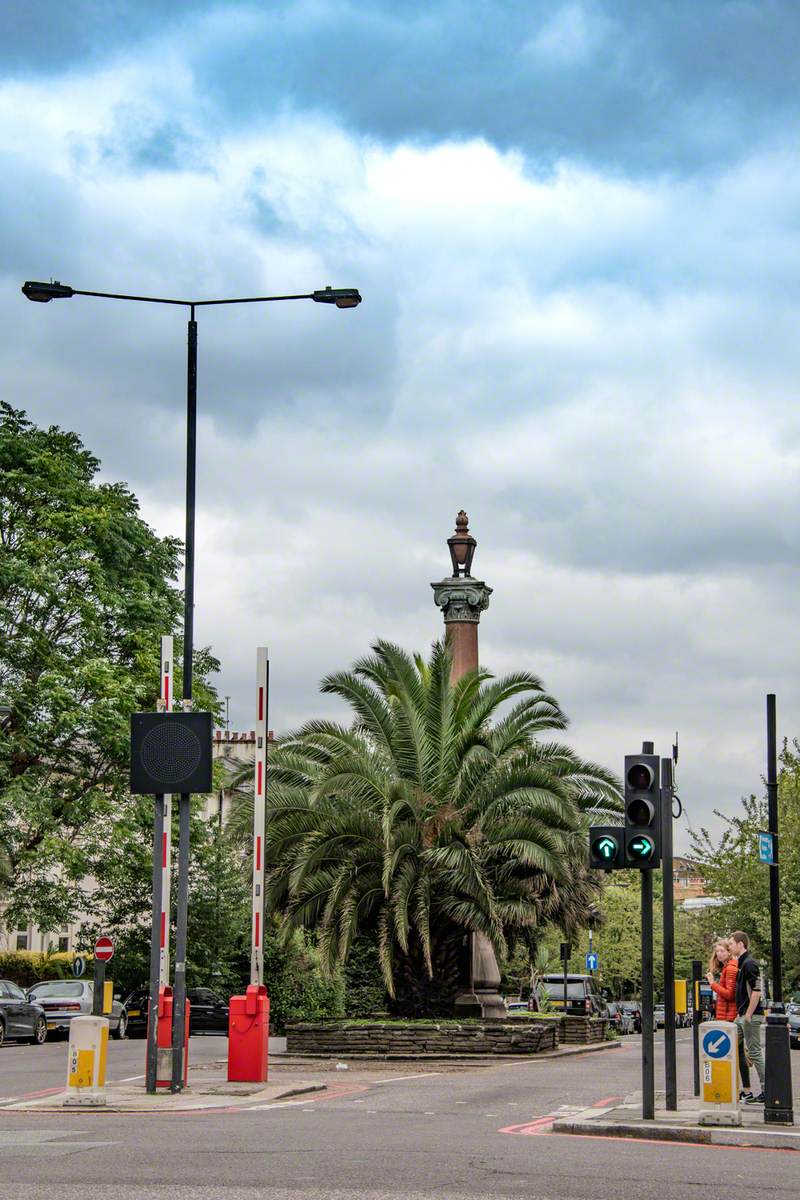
(625, 1121)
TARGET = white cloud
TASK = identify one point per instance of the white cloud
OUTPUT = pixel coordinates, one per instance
(600, 369)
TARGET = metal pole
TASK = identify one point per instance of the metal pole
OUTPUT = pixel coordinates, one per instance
(167, 690)
(670, 1062)
(155, 947)
(179, 997)
(648, 1061)
(98, 988)
(778, 1103)
(259, 816)
(697, 1017)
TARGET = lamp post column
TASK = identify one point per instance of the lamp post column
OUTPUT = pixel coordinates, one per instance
(462, 599)
(184, 820)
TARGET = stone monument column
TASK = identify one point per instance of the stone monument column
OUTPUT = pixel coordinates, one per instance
(462, 599)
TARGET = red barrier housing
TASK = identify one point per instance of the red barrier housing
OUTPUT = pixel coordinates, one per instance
(248, 1036)
(164, 1059)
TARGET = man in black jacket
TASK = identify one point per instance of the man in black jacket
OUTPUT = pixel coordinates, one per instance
(749, 1006)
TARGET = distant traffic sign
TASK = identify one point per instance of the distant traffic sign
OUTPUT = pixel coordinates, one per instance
(591, 962)
(78, 966)
(766, 848)
(104, 949)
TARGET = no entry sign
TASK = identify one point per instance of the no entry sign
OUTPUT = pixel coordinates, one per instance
(104, 949)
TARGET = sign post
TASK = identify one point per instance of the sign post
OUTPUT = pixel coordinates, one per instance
(103, 953)
(166, 833)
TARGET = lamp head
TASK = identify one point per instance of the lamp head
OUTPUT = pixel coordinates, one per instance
(341, 297)
(43, 293)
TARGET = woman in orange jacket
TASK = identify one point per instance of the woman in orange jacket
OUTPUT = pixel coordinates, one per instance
(722, 972)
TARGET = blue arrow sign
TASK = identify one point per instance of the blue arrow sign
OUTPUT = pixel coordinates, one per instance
(716, 1043)
(591, 962)
(766, 848)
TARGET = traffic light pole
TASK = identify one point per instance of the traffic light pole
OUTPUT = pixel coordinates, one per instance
(648, 1061)
(697, 1017)
(670, 1062)
(778, 1109)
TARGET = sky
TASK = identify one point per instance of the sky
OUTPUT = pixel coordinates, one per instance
(575, 229)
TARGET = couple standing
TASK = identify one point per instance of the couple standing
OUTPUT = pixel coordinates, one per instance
(736, 980)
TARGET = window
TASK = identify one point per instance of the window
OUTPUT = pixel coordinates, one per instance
(63, 944)
(22, 941)
(16, 993)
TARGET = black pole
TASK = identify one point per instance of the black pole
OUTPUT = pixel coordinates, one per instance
(670, 1061)
(98, 987)
(155, 947)
(778, 1102)
(648, 1062)
(179, 996)
(697, 1017)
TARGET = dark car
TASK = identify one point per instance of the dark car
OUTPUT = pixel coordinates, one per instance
(20, 1018)
(584, 998)
(208, 1012)
(793, 1011)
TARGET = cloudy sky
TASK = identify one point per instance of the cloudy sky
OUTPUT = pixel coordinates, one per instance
(575, 228)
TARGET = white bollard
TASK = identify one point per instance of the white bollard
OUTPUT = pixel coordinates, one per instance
(719, 1073)
(86, 1066)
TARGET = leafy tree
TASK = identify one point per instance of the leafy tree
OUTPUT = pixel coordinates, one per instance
(86, 588)
(428, 818)
(732, 870)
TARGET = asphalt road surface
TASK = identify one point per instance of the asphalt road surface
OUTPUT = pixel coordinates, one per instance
(412, 1131)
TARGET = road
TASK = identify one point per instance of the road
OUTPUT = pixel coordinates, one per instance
(419, 1130)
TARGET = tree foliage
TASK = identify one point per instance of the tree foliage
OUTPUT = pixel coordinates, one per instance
(86, 589)
(732, 870)
(429, 817)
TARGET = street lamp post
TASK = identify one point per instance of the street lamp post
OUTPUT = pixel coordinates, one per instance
(43, 293)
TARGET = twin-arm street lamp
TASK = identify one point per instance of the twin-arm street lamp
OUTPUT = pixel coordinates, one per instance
(43, 293)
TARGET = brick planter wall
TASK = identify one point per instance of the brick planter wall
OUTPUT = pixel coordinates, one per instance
(582, 1030)
(337, 1039)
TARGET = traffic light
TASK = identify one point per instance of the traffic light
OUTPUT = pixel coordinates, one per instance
(607, 848)
(642, 811)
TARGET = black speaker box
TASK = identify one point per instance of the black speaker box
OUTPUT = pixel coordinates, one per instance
(170, 752)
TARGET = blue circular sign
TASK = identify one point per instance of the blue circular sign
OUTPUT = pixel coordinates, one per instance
(716, 1043)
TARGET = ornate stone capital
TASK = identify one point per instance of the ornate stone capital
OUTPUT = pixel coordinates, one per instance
(461, 598)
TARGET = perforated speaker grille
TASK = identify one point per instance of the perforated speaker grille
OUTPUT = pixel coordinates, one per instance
(171, 752)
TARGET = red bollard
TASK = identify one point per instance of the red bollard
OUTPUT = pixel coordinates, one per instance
(164, 1058)
(248, 1036)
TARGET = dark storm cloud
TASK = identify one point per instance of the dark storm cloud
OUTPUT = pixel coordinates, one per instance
(645, 86)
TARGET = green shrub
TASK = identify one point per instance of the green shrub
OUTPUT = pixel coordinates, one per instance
(365, 992)
(27, 967)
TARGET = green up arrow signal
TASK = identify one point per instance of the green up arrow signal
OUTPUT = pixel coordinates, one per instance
(605, 847)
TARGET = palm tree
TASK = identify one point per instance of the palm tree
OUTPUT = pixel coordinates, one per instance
(431, 816)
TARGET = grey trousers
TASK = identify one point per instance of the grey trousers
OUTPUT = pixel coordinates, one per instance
(752, 1040)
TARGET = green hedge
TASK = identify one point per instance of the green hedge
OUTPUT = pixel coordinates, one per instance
(27, 967)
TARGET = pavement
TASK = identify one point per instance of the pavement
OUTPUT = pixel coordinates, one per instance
(378, 1131)
(289, 1077)
(624, 1120)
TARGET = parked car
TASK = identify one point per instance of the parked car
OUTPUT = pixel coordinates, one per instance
(623, 1020)
(208, 1012)
(631, 1007)
(63, 999)
(20, 1018)
(584, 998)
(793, 1012)
(659, 1016)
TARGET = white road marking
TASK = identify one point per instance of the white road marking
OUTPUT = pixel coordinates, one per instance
(129, 1079)
(399, 1078)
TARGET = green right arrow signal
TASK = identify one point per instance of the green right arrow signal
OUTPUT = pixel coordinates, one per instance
(641, 847)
